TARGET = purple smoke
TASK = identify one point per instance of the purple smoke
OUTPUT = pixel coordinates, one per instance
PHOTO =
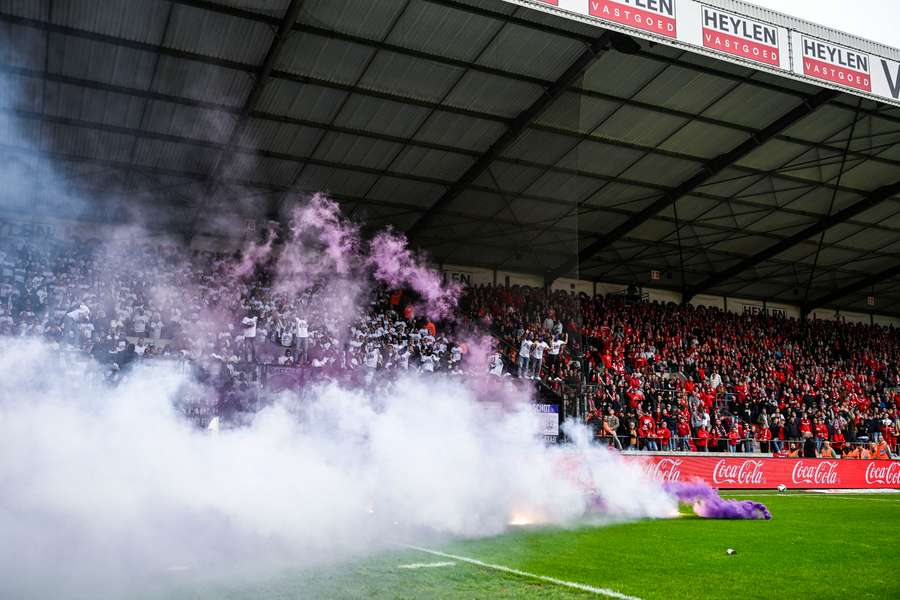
(396, 265)
(708, 504)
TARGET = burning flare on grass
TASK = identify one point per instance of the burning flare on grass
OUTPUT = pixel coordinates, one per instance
(708, 504)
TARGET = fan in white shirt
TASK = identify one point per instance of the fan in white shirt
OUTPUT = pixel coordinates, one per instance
(524, 356)
(537, 357)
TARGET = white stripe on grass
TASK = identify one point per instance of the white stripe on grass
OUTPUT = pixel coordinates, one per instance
(431, 565)
(560, 582)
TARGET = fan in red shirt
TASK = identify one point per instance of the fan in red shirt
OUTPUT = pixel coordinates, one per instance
(837, 441)
(702, 438)
(733, 438)
(646, 431)
(764, 436)
(664, 436)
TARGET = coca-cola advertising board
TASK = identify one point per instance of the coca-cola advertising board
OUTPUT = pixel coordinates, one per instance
(763, 473)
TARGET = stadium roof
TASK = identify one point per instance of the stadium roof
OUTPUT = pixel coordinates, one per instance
(495, 134)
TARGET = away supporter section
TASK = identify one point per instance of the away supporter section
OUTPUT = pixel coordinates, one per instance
(769, 473)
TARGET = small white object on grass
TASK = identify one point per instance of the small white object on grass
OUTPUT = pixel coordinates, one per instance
(781, 488)
(730, 552)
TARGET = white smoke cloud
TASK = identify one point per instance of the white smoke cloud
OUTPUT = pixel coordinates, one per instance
(106, 487)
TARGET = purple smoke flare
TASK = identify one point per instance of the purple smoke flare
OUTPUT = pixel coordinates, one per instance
(708, 504)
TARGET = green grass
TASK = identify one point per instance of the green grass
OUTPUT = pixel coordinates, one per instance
(814, 547)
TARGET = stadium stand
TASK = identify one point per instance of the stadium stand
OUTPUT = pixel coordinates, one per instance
(646, 375)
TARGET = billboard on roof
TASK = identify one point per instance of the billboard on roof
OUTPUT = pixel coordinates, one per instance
(733, 35)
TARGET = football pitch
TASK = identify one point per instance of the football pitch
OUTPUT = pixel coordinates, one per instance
(815, 546)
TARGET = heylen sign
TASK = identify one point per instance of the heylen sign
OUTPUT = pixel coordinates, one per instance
(655, 16)
(739, 36)
(836, 64)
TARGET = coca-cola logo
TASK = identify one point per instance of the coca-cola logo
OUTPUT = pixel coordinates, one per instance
(665, 469)
(745, 472)
(820, 473)
(884, 474)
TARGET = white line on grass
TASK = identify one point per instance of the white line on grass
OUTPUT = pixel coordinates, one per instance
(431, 565)
(569, 584)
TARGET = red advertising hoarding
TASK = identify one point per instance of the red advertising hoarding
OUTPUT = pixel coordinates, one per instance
(739, 36)
(655, 16)
(836, 64)
(767, 473)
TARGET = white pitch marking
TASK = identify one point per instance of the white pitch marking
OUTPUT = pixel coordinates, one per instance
(569, 584)
(432, 565)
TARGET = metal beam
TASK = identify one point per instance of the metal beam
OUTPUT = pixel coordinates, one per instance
(876, 197)
(515, 129)
(707, 171)
(852, 288)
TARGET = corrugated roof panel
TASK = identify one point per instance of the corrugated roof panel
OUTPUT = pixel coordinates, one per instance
(340, 182)
(886, 213)
(703, 140)
(22, 46)
(640, 126)
(404, 191)
(520, 50)
(603, 159)
(534, 211)
(202, 82)
(541, 146)
(432, 163)
(358, 151)
(620, 194)
(443, 30)
(839, 233)
(221, 36)
(684, 89)
(510, 178)
(359, 17)
(30, 9)
(262, 169)
(168, 155)
(381, 116)
(731, 182)
(140, 21)
(818, 201)
(459, 131)
(280, 137)
(777, 153)
(197, 123)
(101, 62)
(662, 170)
(477, 203)
(752, 106)
(408, 76)
(493, 95)
(300, 101)
(868, 175)
(825, 123)
(621, 75)
(93, 105)
(324, 58)
(577, 112)
(564, 187)
(87, 143)
(273, 8)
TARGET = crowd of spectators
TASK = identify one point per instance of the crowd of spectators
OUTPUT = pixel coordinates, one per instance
(645, 376)
(145, 301)
(658, 376)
